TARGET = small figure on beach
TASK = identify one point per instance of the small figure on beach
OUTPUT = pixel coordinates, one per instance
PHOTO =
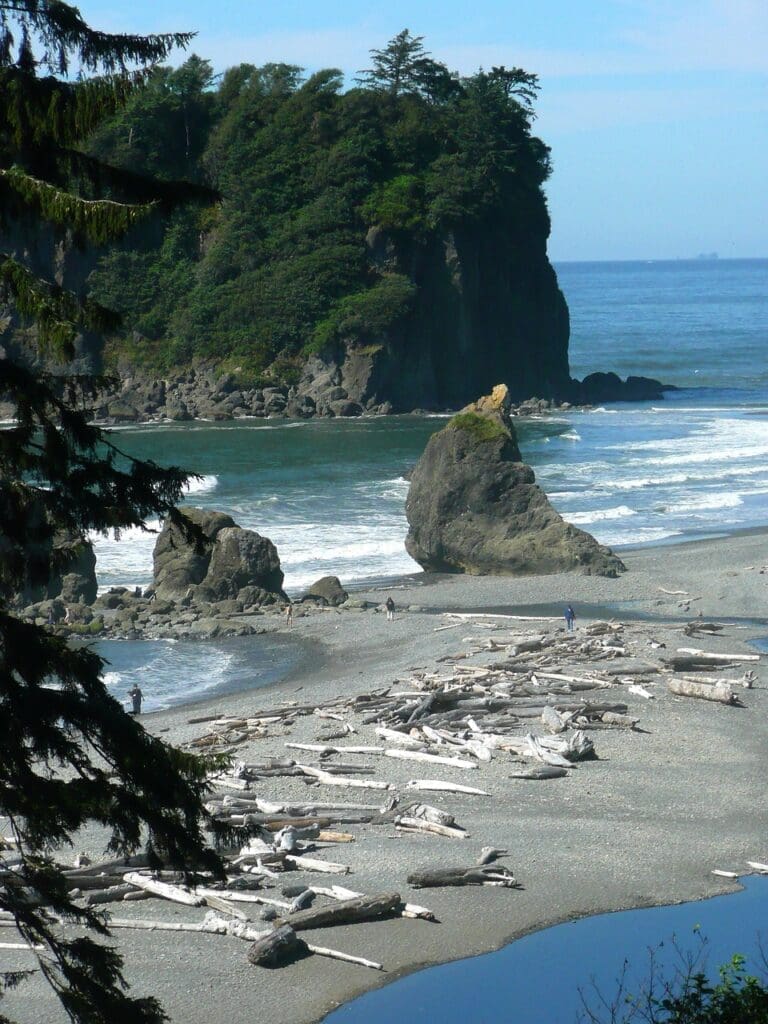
(389, 604)
(289, 614)
(570, 617)
(136, 697)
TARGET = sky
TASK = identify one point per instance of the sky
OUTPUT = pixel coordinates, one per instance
(656, 111)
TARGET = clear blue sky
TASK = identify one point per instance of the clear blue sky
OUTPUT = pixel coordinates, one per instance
(656, 110)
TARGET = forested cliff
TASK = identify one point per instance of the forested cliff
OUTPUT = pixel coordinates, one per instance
(389, 237)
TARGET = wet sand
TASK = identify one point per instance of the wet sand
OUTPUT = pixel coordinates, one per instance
(644, 824)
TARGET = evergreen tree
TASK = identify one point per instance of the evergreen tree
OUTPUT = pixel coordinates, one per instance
(395, 68)
(70, 755)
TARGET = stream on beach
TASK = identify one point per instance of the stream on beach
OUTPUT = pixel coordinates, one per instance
(548, 977)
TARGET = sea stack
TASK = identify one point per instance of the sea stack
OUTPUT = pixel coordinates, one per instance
(474, 506)
(231, 563)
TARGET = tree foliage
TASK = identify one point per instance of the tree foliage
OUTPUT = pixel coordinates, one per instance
(684, 993)
(71, 757)
(311, 176)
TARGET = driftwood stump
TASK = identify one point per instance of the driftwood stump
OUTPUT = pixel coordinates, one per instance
(277, 948)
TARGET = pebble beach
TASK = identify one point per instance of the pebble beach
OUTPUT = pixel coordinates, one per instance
(645, 823)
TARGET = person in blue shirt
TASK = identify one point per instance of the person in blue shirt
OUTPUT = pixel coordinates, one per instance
(570, 617)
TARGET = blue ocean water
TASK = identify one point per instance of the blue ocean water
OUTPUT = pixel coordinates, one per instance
(539, 978)
(331, 494)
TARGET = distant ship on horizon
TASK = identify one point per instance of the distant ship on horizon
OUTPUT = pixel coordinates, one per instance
(708, 256)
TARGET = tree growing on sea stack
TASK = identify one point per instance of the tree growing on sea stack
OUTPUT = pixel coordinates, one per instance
(70, 755)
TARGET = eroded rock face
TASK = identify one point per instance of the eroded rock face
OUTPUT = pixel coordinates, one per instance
(474, 506)
(232, 563)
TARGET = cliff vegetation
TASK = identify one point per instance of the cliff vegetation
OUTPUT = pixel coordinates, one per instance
(399, 221)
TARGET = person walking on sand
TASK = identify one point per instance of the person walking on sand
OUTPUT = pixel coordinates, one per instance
(289, 614)
(570, 617)
(136, 697)
(389, 604)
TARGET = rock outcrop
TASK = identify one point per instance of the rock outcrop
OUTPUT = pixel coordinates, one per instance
(228, 563)
(474, 506)
(327, 590)
(72, 579)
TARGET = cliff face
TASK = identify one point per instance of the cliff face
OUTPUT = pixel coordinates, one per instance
(487, 307)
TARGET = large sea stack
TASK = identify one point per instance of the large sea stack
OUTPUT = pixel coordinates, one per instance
(474, 506)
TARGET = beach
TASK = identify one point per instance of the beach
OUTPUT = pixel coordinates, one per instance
(644, 824)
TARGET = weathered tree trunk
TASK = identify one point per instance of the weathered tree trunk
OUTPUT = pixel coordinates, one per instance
(474, 875)
(364, 908)
(720, 692)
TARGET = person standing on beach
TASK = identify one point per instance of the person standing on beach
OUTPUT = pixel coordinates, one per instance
(289, 614)
(570, 617)
(389, 604)
(136, 697)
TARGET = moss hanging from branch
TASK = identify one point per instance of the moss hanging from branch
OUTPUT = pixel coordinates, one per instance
(99, 220)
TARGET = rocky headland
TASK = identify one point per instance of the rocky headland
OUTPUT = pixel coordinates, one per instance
(474, 506)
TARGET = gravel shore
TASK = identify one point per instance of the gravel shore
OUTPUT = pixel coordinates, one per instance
(644, 824)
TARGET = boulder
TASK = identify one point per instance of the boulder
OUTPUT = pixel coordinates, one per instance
(177, 564)
(474, 506)
(241, 558)
(229, 563)
(328, 590)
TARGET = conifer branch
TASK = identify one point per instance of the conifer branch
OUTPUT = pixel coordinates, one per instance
(64, 34)
(99, 220)
(58, 314)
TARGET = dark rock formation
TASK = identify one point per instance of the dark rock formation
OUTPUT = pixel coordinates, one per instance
(473, 505)
(487, 308)
(609, 387)
(327, 590)
(74, 581)
(230, 562)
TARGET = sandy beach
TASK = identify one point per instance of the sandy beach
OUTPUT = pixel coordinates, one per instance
(643, 824)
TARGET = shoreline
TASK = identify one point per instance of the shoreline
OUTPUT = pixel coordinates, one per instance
(643, 825)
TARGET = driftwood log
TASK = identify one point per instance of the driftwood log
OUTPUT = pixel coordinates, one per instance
(363, 908)
(720, 692)
(474, 875)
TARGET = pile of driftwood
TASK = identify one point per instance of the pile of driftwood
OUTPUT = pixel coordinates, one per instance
(530, 699)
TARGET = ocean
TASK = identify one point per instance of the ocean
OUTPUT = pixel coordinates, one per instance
(331, 493)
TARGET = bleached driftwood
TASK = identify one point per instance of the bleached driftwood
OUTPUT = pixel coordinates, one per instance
(721, 693)
(543, 771)
(641, 691)
(313, 864)
(168, 892)
(413, 824)
(416, 755)
(717, 657)
(438, 786)
(322, 748)
(326, 779)
(400, 738)
(338, 892)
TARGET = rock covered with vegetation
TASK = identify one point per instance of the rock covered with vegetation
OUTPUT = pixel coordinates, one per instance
(473, 506)
(379, 247)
